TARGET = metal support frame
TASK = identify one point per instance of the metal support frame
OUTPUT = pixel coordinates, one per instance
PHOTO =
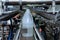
(10, 37)
(39, 35)
(17, 35)
(2, 32)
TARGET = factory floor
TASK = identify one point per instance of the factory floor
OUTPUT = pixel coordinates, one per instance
(25, 38)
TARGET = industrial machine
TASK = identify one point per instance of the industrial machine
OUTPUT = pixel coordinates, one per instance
(45, 16)
(30, 20)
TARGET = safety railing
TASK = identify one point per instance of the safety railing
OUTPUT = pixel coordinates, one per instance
(40, 37)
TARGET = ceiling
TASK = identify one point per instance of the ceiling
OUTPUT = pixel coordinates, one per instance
(29, 0)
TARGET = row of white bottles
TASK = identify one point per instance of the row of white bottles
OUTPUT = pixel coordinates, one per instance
(27, 23)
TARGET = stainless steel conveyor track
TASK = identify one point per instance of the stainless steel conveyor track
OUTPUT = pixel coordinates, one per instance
(38, 34)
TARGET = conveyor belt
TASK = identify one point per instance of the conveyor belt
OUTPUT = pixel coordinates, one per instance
(45, 14)
(8, 15)
(18, 35)
(28, 38)
(31, 38)
(25, 38)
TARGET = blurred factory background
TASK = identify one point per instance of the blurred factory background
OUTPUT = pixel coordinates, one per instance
(29, 19)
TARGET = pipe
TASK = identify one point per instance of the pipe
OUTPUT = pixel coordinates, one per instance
(53, 6)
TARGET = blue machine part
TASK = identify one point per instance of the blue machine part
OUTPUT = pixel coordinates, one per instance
(10, 35)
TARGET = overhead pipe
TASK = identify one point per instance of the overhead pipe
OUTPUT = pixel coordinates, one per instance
(53, 6)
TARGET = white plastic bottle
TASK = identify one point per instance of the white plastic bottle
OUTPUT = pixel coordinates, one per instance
(27, 23)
